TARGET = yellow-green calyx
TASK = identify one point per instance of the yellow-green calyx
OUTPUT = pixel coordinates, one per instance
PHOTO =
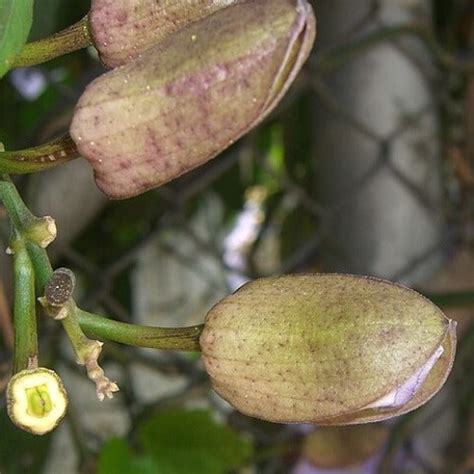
(327, 349)
(36, 400)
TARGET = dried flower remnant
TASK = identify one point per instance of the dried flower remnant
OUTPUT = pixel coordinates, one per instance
(105, 388)
(191, 96)
(36, 400)
(327, 349)
(123, 29)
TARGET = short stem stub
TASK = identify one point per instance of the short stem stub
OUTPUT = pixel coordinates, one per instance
(71, 39)
(41, 231)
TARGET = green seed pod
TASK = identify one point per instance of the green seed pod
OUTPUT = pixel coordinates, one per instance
(124, 29)
(326, 349)
(191, 96)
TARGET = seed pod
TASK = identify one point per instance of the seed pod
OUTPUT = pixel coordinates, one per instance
(192, 95)
(36, 400)
(326, 349)
(124, 29)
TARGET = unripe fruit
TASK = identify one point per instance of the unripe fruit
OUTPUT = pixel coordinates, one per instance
(191, 96)
(326, 349)
(123, 29)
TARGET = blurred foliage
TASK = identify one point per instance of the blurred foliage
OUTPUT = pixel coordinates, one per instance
(21, 452)
(177, 442)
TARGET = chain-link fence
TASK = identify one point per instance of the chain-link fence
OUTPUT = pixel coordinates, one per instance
(365, 168)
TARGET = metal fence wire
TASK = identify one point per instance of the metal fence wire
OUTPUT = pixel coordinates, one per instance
(366, 167)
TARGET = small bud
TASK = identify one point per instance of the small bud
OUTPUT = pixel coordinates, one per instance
(192, 95)
(327, 349)
(36, 400)
(124, 29)
(41, 231)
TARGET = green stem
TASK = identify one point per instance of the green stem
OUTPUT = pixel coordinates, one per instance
(71, 39)
(184, 339)
(81, 344)
(39, 158)
(97, 327)
(18, 213)
(42, 266)
(24, 313)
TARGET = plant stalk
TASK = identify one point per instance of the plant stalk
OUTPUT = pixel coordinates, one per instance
(39, 158)
(73, 38)
(184, 339)
(25, 354)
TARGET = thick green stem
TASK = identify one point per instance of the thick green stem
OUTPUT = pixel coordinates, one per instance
(24, 313)
(97, 327)
(39, 158)
(71, 39)
(181, 339)
(18, 213)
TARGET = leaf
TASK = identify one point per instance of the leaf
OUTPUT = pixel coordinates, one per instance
(191, 441)
(116, 457)
(16, 17)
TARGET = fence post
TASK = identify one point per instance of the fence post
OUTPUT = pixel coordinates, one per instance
(376, 148)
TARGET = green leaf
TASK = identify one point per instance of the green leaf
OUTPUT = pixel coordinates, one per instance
(116, 457)
(183, 441)
(16, 17)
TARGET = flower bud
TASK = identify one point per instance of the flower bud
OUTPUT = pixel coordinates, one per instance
(192, 95)
(124, 29)
(36, 400)
(326, 349)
